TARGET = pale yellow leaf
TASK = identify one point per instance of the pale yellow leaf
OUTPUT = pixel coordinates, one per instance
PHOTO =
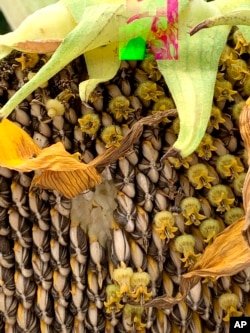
(102, 64)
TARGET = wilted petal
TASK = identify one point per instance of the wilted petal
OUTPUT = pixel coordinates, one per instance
(226, 256)
(244, 131)
(58, 169)
(69, 183)
(16, 145)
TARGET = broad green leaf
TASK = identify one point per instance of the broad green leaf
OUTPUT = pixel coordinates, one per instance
(191, 78)
(103, 64)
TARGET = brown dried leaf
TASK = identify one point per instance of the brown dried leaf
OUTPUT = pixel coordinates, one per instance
(245, 133)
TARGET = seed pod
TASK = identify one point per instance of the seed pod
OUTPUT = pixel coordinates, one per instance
(186, 186)
(78, 271)
(79, 303)
(161, 201)
(40, 211)
(125, 213)
(60, 203)
(176, 269)
(41, 242)
(25, 290)
(59, 228)
(21, 116)
(23, 260)
(44, 306)
(142, 232)
(148, 164)
(132, 155)
(243, 279)
(138, 256)
(6, 253)
(19, 198)
(154, 272)
(21, 231)
(124, 178)
(23, 179)
(4, 225)
(146, 191)
(181, 315)
(78, 244)
(59, 258)
(6, 173)
(97, 256)
(153, 136)
(8, 307)
(26, 320)
(94, 294)
(41, 140)
(194, 297)
(168, 178)
(60, 290)
(120, 251)
(94, 320)
(7, 283)
(42, 272)
(63, 319)
(162, 323)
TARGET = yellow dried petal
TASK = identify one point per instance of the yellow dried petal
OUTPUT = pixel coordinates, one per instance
(59, 169)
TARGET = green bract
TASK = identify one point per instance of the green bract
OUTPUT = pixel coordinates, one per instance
(92, 27)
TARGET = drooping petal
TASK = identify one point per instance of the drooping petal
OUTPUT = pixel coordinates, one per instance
(59, 170)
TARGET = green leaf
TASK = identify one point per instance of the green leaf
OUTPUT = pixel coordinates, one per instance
(191, 78)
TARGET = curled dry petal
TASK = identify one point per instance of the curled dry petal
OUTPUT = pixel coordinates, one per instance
(58, 169)
(244, 131)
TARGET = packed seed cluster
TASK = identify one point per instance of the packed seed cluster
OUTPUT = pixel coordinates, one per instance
(139, 231)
